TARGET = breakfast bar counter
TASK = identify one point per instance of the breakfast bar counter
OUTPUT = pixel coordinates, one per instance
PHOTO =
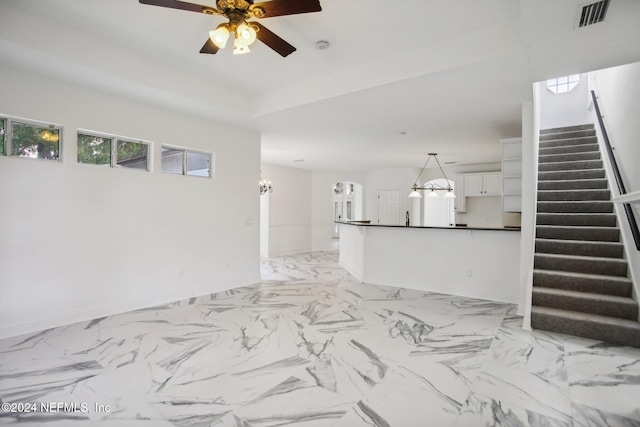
(466, 261)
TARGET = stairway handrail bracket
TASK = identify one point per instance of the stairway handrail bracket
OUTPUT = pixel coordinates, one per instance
(624, 196)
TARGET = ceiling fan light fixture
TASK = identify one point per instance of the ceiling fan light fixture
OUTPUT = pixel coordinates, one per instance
(239, 48)
(220, 35)
(245, 34)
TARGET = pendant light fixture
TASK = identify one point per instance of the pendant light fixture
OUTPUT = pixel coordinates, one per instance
(432, 188)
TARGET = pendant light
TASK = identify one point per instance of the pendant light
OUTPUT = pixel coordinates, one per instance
(433, 188)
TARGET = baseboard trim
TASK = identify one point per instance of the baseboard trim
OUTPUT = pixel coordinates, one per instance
(98, 311)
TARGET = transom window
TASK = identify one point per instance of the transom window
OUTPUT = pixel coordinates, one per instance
(110, 151)
(28, 139)
(181, 161)
(563, 84)
(2, 137)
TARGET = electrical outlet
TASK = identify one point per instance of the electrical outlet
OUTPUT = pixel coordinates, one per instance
(468, 272)
(181, 273)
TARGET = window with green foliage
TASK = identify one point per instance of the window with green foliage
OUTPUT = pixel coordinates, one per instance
(2, 149)
(185, 162)
(133, 155)
(102, 150)
(34, 141)
(94, 150)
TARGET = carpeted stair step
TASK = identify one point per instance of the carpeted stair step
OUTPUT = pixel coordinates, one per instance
(580, 247)
(567, 142)
(576, 207)
(599, 234)
(592, 219)
(581, 264)
(584, 302)
(566, 149)
(574, 184)
(603, 328)
(569, 134)
(588, 126)
(571, 175)
(566, 166)
(580, 282)
(573, 195)
(569, 157)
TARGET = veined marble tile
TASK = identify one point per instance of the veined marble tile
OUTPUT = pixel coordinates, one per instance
(403, 399)
(312, 346)
(481, 411)
(584, 416)
(546, 396)
(604, 381)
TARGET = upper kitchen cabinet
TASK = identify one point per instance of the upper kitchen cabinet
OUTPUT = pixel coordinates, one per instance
(458, 189)
(483, 184)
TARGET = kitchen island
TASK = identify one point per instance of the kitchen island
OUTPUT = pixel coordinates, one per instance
(466, 261)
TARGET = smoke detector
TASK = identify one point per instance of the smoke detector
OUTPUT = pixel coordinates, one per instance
(322, 45)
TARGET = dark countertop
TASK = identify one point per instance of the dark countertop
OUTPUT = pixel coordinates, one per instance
(458, 227)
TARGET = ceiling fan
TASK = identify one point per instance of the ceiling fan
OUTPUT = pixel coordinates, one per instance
(239, 13)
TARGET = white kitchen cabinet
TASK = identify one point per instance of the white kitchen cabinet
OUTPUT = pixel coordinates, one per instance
(483, 184)
(458, 189)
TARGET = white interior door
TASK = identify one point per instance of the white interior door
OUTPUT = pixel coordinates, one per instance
(389, 207)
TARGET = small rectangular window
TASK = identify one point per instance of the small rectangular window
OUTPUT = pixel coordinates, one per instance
(185, 162)
(94, 150)
(2, 149)
(111, 151)
(198, 164)
(172, 160)
(35, 141)
(134, 155)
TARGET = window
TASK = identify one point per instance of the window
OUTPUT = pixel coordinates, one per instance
(563, 84)
(1, 137)
(134, 155)
(185, 162)
(95, 150)
(110, 151)
(29, 139)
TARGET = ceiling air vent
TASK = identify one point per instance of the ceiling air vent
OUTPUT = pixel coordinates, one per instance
(592, 13)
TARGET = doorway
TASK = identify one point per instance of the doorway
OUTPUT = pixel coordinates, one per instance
(389, 207)
(347, 203)
(264, 225)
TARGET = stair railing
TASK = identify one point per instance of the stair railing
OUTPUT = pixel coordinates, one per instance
(633, 224)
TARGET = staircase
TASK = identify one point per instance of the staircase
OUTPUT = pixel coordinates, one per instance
(580, 283)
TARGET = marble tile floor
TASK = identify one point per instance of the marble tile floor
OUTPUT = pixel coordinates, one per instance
(310, 346)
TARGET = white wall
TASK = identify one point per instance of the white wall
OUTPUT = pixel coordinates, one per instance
(564, 109)
(289, 209)
(79, 242)
(618, 91)
(322, 183)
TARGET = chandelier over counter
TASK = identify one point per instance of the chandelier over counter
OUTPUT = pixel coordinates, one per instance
(432, 188)
(265, 186)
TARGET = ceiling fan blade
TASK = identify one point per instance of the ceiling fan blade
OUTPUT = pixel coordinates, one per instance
(174, 4)
(209, 47)
(287, 7)
(270, 38)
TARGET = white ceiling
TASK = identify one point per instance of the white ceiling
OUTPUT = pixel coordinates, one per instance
(453, 74)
